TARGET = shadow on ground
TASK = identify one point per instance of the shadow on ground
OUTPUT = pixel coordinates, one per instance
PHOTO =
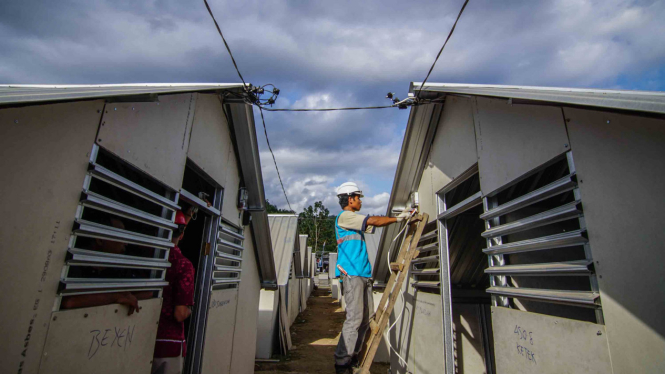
(314, 335)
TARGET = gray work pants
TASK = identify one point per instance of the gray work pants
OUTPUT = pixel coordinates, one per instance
(359, 310)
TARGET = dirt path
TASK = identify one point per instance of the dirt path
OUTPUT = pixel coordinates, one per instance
(314, 335)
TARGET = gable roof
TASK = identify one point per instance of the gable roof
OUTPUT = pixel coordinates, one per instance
(423, 121)
(34, 93)
(630, 100)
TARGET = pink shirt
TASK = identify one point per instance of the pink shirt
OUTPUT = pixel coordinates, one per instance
(180, 291)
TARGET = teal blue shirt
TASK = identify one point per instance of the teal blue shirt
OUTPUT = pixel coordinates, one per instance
(352, 250)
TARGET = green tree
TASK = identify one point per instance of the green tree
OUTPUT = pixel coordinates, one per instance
(271, 208)
(316, 222)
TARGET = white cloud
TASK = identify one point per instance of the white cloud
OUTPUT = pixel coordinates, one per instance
(335, 54)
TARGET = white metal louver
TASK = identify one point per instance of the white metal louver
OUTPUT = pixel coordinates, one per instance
(122, 232)
(228, 256)
(496, 229)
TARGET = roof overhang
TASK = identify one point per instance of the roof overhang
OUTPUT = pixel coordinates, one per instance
(242, 122)
(640, 101)
(16, 94)
(412, 159)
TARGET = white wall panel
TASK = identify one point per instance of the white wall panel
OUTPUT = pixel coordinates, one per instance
(620, 163)
(244, 338)
(153, 136)
(210, 142)
(527, 342)
(267, 323)
(102, 340)
(219, 331)
(515, 139)
(45, 152)
(418, 335)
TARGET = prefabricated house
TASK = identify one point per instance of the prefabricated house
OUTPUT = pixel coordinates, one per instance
(85, 166)
(305, 288)
(334, 281)
(543, 252)
(279, 308)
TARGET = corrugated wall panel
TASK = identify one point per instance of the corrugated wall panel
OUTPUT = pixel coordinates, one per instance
(152, 136)
(45, 153)
(515, 139)
(620, 161)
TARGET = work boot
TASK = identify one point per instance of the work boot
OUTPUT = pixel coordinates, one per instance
(343, 369)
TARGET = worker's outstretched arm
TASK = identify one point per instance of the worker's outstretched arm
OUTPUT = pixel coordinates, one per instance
(379, 221)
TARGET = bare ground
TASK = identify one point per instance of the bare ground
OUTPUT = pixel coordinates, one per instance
(314, 335)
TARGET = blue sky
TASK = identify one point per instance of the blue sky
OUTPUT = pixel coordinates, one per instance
(328, 54)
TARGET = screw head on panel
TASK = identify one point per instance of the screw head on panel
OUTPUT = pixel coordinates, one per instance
(599, 333)
(115, 108)
(85, 315)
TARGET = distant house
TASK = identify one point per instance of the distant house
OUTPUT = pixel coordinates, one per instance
(279, 308)
(544, 251)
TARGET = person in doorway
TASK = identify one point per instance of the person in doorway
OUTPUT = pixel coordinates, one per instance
(178, 298)
(355, 272)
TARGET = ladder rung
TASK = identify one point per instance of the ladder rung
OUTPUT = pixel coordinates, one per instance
(428, 247)
(554, 268)
(394, 266)
(425, 259)
(433, 271)
(566, 239)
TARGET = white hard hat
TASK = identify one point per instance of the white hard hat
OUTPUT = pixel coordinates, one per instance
(349, 188)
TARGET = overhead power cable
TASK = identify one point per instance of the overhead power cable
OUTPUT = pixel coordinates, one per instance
(442, 47)
(245, 87)
(273, 158)
(225, 43)
(327, 109)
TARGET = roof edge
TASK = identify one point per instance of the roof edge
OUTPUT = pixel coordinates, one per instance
(628, 100)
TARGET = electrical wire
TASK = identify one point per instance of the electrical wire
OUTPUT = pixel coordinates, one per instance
(225, 44)
(274, 94)
(273, 158)
(328, 109)
(403, 230)
(442, 47)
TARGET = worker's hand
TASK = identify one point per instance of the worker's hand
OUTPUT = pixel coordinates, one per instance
(406, 213)
(126, 298)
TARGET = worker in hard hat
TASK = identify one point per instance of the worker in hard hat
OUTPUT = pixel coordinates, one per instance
(355, 272)
(177, 302)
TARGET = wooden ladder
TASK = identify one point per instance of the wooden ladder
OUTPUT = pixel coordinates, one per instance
(398, 271)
